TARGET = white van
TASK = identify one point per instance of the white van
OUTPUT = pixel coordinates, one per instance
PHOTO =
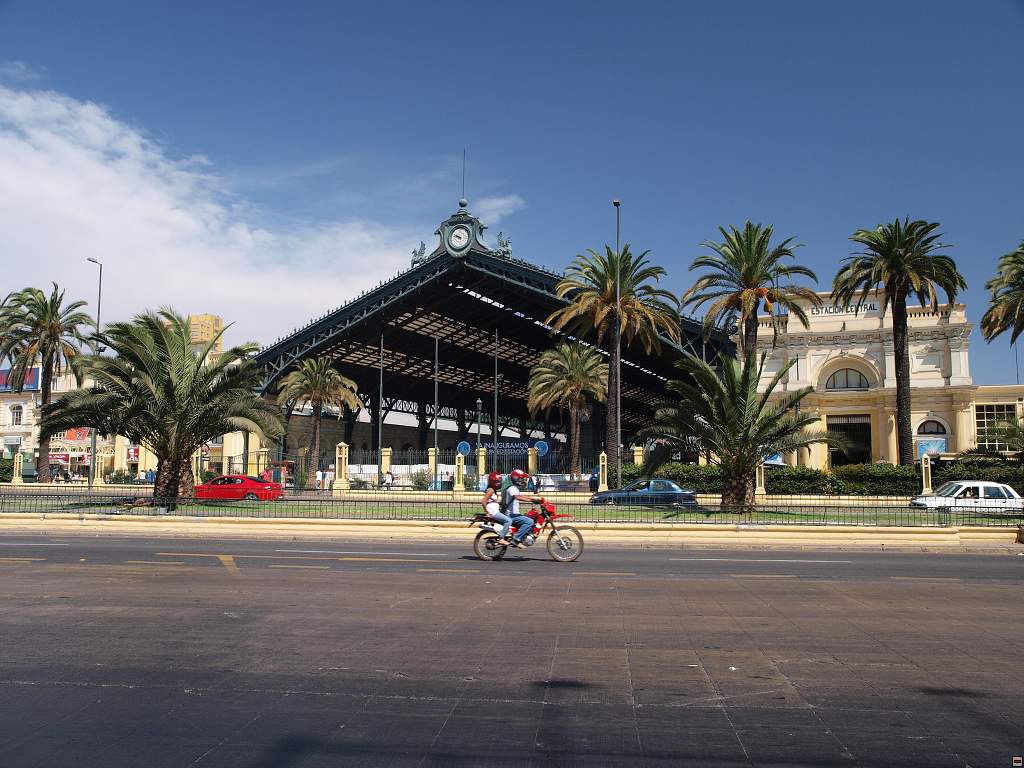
(963, 495)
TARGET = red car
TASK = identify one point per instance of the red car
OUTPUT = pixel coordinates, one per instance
(238, 487)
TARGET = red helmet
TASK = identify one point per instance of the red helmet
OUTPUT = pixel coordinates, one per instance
(519, 477)
(494, 480)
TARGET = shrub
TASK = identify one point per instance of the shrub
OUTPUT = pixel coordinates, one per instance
(784, 481)
(995, 469)
(6, 470)
(420, 480)
(876, 480)
(121, 477)
(207, 475)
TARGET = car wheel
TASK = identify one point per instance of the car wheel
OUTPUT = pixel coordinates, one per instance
(251, 497)
(610, 503)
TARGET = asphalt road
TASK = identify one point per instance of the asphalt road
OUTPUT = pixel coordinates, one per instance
(172, 652)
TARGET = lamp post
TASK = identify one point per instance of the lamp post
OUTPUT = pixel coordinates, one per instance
(95, 351)
(479, 415)
(618, 357)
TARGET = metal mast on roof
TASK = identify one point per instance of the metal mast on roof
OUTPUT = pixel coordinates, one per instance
(380, 413)
(435, 393)
(494, 430)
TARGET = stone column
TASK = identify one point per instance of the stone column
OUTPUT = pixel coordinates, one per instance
(602, 476)
(965, 427)
(959, 370)
(459, 484)
(531, 460)
(926, 474)
(889, 382)
(638, 455)
(120, 454)
(759, 481)
(341, 483)
(892, 450)
(17, 469)
(817, 454)
(432, 467)
(385, 460)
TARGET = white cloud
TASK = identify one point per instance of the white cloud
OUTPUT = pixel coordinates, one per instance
(492, 209)
(75, 183)
(18, 72)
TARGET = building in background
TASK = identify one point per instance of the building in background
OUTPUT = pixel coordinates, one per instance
(847, 357)
(204, 327)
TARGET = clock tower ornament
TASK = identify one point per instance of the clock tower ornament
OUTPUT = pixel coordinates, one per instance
(461, 233)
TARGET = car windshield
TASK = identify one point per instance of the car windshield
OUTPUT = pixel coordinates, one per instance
(254, 479)
(639, 485)
(948, 489)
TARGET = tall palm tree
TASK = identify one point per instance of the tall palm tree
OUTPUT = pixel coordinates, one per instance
(316, 382)
(564, 377)
(1006, 307)
(643, 311)
(722, 413)
(156, 391)
(900, 260)
(41, 330)
(746, 271)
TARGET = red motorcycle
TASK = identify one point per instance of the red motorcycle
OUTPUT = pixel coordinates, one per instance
(564, 543)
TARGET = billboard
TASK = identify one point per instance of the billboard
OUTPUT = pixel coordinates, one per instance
(31, 380)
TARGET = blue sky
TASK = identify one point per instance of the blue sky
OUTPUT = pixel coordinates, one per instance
(311, 146)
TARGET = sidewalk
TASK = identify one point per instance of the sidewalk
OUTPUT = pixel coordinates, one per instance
(706, 535)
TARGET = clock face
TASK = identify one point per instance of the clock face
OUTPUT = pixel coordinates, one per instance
(458, 238)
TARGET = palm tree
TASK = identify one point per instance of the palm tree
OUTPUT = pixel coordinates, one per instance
(721, 412)
(643, 311)
(746, 271)
(318, 383)
(900, 260)
(158, 392)
(36, 329)
(564, 377)
(1006, 307)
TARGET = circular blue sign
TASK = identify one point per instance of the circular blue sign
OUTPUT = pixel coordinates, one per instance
(542, 448)
(464, 448)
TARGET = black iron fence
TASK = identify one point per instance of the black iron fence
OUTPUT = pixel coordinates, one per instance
(402, 506)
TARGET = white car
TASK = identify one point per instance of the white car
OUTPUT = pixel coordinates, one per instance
(964, 495)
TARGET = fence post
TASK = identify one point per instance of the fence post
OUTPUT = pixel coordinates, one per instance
(531, 460)
(432, 467)
(481, 462)
(459, 484)
(759, 480)
(638, 455)
(341, 469)
(385, 460)
(602, 472)
(926, 475)
(17, 469)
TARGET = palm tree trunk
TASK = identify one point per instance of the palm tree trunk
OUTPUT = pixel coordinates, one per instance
(43, 463)
(904, 436)
(611, 428)
(738, 491)
(750, 334)
(575, 468)
(168, 475)
(186, 480)
(313, 461)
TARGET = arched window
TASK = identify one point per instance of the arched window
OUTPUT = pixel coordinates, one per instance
(16, 415)
(931, 427)
(847, 378)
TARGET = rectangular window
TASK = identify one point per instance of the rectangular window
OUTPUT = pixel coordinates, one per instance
(986, 417)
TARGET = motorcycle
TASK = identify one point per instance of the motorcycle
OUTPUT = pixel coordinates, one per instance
(564, 543)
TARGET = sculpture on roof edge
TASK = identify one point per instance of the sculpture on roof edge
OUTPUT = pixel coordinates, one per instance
(419, 254)
(504, 246)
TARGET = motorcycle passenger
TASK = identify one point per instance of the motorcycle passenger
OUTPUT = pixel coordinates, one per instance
(491, 502)
(510, 499)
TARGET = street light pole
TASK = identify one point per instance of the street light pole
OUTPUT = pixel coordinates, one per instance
(618, 357)
(95, 351)
(479, 416)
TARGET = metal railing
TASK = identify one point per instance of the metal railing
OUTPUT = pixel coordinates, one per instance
(410, 507)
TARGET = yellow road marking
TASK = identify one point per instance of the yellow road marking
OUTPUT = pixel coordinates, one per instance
(924, 578)
(315, 567)
(155, 562)
(304, 557)
(228, 562)
(448, 570)
(603, 573)
(184, 554)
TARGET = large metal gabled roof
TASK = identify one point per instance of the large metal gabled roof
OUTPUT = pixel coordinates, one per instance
(460, 299)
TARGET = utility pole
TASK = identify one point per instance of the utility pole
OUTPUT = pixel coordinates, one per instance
(95, 351)
(618, 357)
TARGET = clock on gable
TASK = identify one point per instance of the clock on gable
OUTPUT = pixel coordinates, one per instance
(461, 232)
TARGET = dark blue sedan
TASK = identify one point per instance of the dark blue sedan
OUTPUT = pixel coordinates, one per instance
(652, 493)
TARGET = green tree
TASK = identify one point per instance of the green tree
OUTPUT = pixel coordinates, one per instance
(563, 378)
(157, 392)
(1006, 306)
(41, 330)
(316, 382)
(900, 260)
(746, 272)
(643, 310)
(721, 413)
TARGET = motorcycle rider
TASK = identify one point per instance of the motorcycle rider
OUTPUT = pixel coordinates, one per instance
(491, 502)
(510, 500)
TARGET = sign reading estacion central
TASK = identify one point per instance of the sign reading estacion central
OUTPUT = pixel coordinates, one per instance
(849, 309)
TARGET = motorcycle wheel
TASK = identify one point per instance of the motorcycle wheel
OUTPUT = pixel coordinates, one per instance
(486, 548)
(569, 548)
